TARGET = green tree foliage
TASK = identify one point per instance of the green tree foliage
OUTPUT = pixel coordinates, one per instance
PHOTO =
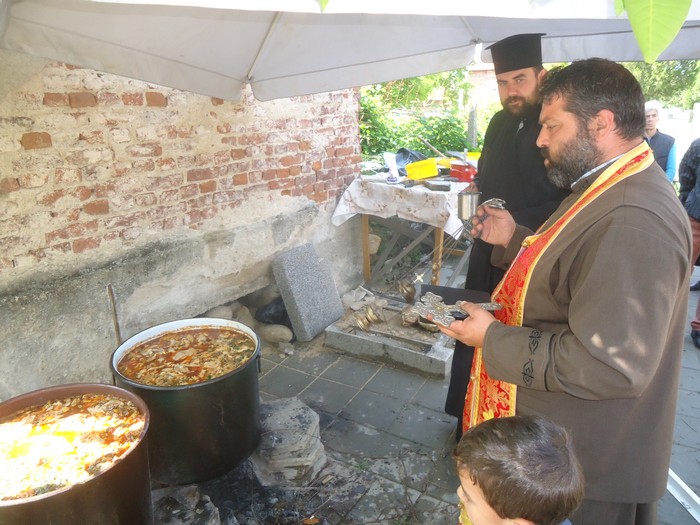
(377, 130)
(413, 93)
(674, 82)
(395, 114)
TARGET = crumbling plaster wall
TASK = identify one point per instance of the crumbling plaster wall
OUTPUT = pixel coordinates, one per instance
(180, 202)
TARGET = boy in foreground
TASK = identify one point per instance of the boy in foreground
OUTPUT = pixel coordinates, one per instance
(518, 470)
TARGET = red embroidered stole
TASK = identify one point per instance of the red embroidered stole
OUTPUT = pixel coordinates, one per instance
(488, 398)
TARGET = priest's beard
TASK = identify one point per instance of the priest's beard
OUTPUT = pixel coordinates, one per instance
(576, 157)
(519, 106)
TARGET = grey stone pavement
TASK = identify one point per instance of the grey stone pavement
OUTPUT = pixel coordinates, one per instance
(389, 441)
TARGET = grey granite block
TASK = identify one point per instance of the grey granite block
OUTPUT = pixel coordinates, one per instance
(308, 290)
(435, 361)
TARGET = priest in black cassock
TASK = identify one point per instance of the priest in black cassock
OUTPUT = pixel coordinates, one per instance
(511, 168)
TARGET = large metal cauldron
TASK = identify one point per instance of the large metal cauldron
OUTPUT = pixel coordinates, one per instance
(203, 430)
(120, 495)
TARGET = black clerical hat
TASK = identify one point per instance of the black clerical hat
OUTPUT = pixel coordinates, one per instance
(517, 52)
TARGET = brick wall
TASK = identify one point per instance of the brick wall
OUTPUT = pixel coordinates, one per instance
(175, 201)
(91, 162)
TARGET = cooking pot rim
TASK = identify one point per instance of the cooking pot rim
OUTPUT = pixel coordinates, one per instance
(154, 331)
(43, 395)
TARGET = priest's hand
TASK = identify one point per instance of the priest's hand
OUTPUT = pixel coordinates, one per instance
(470, 331)
(493, 225)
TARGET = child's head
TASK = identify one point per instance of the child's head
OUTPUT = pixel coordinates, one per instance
(520, 470)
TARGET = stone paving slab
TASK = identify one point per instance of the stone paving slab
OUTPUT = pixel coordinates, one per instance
(431, 360)
(359, 437)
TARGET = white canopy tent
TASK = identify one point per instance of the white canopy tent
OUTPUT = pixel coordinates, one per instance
(285, 48)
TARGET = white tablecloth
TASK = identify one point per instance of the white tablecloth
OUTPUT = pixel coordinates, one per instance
(373, 196)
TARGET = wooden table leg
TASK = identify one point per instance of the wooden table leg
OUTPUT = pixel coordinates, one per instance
(366, 268)
(437, 256)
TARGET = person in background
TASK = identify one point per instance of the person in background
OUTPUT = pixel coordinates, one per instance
(519, 470)
(689, 177)
(591, 332)
(511, 168)
(663, 146)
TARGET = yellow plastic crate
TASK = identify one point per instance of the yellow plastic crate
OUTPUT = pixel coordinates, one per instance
(422, 169)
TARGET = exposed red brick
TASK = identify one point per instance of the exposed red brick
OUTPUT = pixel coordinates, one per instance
(82, 99)
(36, 140)
(342, 152)
(290, 160)
(71, 231)
(294, 192)
(224, 128)
(283, 174)
(203, 201)
(237, 154)
(155, 99)
(80, 245)
(100, 207)
(252, 139)
(82, 193)
(8, 185)
(295, 170)
(166, 164)
(320, 197)
(229, 140)
(277, 184)
(104, 190)
(55, 99)
(200, 174)
(240, 179)
(132, 99)
(92, 137)
(207, 187)
(215, 101)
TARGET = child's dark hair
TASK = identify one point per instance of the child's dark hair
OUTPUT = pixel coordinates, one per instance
(525, 466)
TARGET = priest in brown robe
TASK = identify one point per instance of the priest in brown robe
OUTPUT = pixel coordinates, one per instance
(595, 302)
